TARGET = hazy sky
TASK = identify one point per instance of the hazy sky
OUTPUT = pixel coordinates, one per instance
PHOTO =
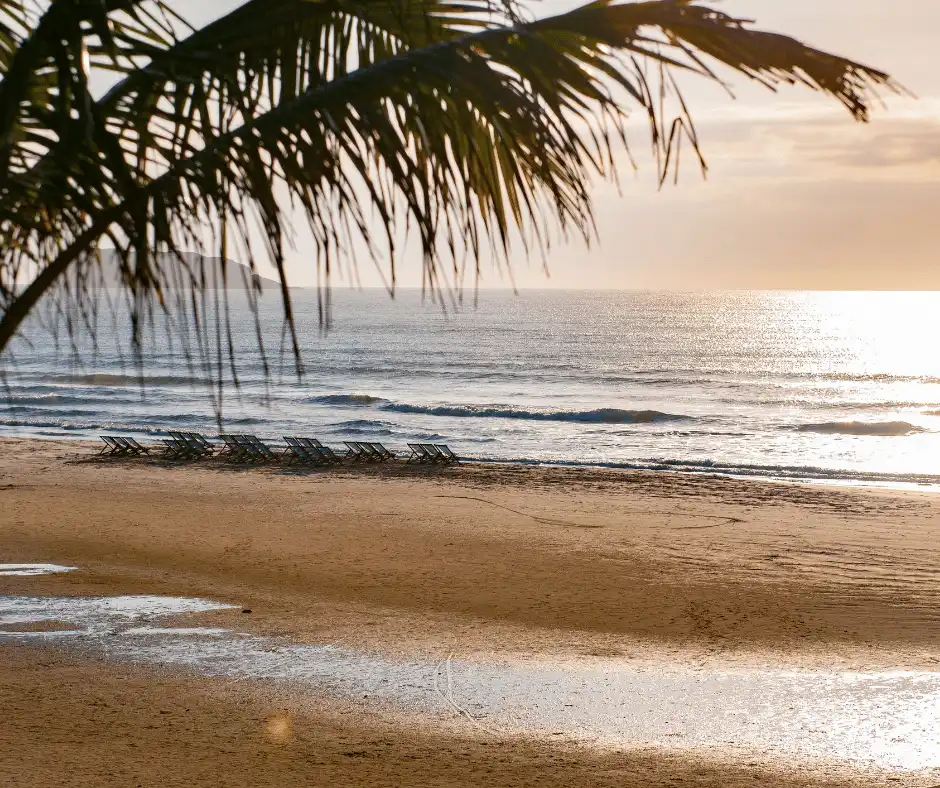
(798, 196)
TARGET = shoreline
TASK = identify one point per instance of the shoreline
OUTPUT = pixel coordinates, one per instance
(502, 559)
(810, 475)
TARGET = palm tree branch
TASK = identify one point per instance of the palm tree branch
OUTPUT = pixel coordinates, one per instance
(532, 102)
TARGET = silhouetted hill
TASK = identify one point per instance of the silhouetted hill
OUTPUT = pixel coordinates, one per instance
(236, 273)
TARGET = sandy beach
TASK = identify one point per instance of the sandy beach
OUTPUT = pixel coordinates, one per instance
(483, 562)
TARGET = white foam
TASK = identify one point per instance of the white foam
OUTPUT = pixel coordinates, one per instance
(177, 631)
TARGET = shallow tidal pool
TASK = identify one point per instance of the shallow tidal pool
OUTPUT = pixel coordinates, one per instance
(884, 719)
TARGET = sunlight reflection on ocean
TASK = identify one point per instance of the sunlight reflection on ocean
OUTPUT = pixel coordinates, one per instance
(827, 386)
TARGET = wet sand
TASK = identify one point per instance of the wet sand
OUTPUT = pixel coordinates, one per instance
(74, 722)
(480, 562)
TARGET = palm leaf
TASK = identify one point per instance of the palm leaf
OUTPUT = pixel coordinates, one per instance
(454, 119)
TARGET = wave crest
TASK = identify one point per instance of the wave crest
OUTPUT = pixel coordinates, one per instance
(347, 399)
(596, 416)
(877, 428)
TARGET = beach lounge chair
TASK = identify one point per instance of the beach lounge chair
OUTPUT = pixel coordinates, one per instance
(245, 450)
(111, 447)
(420, 454)
(297, 452)
(138, 447)
(356, 454)
(175, 449)
(329, 456)
(188, 447)
(259, 449)
(449, 456)
(231, 448)
(386, 453)
(293, 451)
(434, 453)
(370, 453)
(198, 439)
(131, 447)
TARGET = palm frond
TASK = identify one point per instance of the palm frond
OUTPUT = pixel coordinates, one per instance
(456, 119)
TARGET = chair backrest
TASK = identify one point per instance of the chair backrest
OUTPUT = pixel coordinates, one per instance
(133, 442)
(445, 450)
(124, 443)
(299, 450)
(367, 449)
(263, 449)
(245, 443)
(382, 450)
(423, 452)
(353, 447)
(432, 450)
(110, 441)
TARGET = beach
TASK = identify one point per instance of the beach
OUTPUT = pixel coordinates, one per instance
(484, 562)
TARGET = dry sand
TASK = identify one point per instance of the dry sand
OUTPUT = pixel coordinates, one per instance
(474, 561)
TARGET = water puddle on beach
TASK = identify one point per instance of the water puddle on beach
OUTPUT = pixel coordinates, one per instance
(31, 570)
(888, 719)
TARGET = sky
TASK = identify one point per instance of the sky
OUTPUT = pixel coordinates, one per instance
(798, 196)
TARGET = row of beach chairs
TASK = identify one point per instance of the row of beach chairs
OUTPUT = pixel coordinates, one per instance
(251, 449)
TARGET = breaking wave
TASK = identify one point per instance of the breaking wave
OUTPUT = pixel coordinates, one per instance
(362, 400)
(596, 416)
(593, 416)
(878, 428)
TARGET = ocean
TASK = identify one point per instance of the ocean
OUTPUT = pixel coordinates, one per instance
(835, 387)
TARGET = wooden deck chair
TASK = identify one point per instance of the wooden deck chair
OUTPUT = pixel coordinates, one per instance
(264, 452)
(138, 447)
(371, 454)
(297, 452)
(232, 448)
(293, 451)
(249, 451)
(130, 448)
(198, 446)
(175, 450)
(354, 453)
(419, 453)
(111, 447)
(448, 454)
(387, 454)
(329, 456)
(435, 454)
(184, 447)
(198, 439)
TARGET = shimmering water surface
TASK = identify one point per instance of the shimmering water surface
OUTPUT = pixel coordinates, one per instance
(887, 719)
(832, 386)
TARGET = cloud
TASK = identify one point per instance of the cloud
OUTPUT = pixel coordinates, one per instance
(823, 146)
